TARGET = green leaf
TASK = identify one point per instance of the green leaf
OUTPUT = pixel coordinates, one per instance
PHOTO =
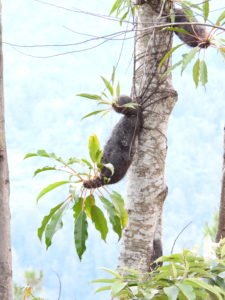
(111, 272)
(113, 74)
(46, 219)
(118, 90)
(203, 73)
(205, 7)
(187, 290)
(117, 286)
(108, 85)
(103, 280)
(168, 54)
(93, 113)
(80, 233)
(114, 219)
(99, 220)
(177, 29)
(89, 202)
(50, 188)
(221, 17)
(120, 208)
(170, 69)
(90, 96)
(115, 6)
(197, 282)
(104, 288)
(77, 208)
(54, 225)
(188, 58)
(87, 163)
(196, 72)
(171, 292)
(94, 148)
(73, 160)
(44, 169)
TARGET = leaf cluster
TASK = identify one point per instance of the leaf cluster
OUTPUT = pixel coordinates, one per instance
(183, 276)
(81, 201)
(107, 97)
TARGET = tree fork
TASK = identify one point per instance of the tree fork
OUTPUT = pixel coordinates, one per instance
(141, 242)
(5, 248)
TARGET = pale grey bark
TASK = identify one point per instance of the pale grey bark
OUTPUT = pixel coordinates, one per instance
(141, 241)
(5, 249)
(221, 222)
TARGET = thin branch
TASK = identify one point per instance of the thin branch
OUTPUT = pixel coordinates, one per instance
(179, 236)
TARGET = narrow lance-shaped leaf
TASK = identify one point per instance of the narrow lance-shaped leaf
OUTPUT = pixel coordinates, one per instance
(99, 220)
(54, 225)
(90, 96)
(177, 29)
(120, 208)
(118, 90)
(205, 7)
(89, 202)
(80, 233)
(221, 18)
(168, 54)
(203, 73)
(44, 169)
(170, 69)
(93, 147)
(46, 219)
(77, 208)
(114, 219)
(108, 85)
(50, 188)
(93, 113)
(188, 58)
(196, 72)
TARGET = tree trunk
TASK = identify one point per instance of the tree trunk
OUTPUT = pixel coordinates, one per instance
(221, 222)
(147, 190)
(5, 250)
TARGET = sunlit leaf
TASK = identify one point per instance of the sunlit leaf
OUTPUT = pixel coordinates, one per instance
(117, 286)
(89, 202)
(90, 96)
(118, 90)
(205, 6)
(94, 146)
(221, 17)
(108, 85)
(77, 208)
(44, 169)
(102, 289)
(80, 233)
(187, 290)
(93, 113)
(171, 292)
(99, 220)
(50, 188)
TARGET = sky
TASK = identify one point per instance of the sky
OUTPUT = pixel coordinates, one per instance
(43, 112)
